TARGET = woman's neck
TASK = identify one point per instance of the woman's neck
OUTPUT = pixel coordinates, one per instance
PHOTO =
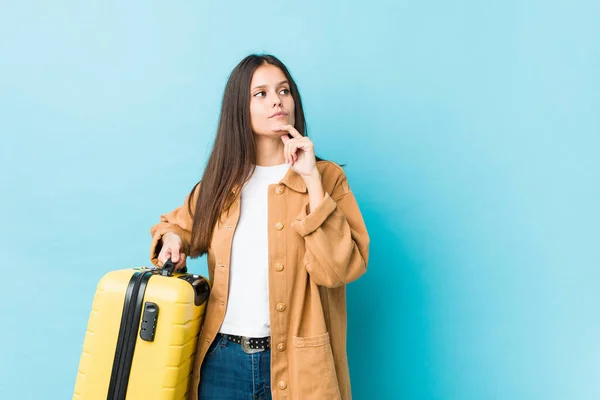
(269, 151)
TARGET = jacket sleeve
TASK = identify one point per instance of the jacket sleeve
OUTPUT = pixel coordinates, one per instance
(335, 236)
(178, 221)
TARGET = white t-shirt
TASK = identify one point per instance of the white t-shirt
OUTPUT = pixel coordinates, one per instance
(247, 311)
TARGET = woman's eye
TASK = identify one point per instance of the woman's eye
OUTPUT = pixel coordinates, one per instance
(263, 93)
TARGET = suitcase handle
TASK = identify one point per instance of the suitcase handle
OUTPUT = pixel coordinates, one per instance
(169, 268)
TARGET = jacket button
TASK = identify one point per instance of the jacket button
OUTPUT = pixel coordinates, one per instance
(279, 190)
(281, 347)
(279, 226)
(280, 307)
(279, 267)
(282, 385)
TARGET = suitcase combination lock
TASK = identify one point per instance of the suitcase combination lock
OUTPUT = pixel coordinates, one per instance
(149, 319)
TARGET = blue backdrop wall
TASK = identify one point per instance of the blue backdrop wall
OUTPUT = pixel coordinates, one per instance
(471, 136)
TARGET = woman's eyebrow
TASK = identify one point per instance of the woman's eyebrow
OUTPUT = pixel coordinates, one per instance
(264, 86)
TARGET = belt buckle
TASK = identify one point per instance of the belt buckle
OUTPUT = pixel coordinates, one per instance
(246, 346)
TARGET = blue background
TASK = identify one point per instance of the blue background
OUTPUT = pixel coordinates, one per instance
(471, 136)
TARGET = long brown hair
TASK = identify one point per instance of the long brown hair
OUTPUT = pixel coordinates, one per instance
(233, 155)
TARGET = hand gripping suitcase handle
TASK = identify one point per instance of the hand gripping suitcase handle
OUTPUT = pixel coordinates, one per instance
(169, 268)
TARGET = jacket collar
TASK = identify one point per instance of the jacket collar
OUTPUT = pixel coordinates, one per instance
(292, 179)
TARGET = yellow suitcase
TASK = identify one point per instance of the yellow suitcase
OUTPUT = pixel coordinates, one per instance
(142, 334)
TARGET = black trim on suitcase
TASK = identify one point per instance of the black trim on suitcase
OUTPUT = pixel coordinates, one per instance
(200, 286)
(130, 320)
(120, 341)
(131, 337)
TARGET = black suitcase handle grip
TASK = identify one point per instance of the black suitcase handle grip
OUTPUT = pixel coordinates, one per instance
(169, 268)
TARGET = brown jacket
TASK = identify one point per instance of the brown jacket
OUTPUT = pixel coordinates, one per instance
(313, 254)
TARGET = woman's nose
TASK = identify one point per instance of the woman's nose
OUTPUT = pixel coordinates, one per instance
(276, 101)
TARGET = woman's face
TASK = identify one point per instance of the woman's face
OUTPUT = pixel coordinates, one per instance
(271, 103)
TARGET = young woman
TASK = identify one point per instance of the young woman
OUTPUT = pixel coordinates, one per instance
(283, 235)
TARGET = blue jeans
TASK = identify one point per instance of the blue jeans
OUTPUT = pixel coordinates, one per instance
(228, 373)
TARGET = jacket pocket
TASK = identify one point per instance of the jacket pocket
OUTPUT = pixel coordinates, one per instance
(313, 372)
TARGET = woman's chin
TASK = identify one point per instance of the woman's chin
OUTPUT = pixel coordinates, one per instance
(270, 134)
